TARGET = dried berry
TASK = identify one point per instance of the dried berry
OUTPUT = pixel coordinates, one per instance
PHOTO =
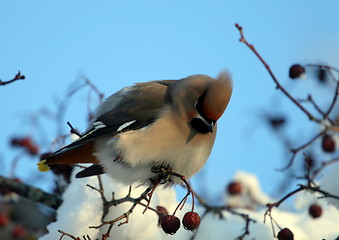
(309, 161)
(191, 221)
(5, 191)
(315, 210)
(285, 234)
(170, 224)
(234, 188)
(19, 232)
(328, 143)
(296, 71)
(277, 121)
(322, 75)
(63, 170)
(3, 219)
(26, 143)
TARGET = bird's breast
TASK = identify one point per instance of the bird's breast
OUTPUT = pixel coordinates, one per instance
(164, 142)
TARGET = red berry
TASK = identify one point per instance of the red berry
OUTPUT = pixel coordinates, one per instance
(4, 192)
(170, 224)
(309, 161)
(234, 188)
(18, 180)
(19, 232)
(296, 71)
(26, 143)
(163, 212)
(315, 210)
(191, 221)
(285, 234)
(328, 143)
(30, 146)
(3, 220)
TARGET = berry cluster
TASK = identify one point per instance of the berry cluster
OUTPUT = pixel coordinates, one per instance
(170, 223)
(10, 228)
(314, 210)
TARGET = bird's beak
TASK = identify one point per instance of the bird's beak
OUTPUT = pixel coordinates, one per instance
(209, 126)
(202, 125)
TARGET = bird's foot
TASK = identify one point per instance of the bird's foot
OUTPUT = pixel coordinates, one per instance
(164, 174)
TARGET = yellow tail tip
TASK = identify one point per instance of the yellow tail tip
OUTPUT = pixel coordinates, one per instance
(42, 166)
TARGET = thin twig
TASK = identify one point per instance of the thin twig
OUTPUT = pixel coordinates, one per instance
(115, 202)
(189, 192)
(301, 187)
(32, 193)
(278, 85)
(219, 209)
(68, 235)
(17, 77)
(323, 165)
(295, 151)
(335, 97)
(95, 89)
(270, 206)
(73, 130)
(323, 66)
(315, 105)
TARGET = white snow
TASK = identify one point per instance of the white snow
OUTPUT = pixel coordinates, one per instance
(330, 183)
(82, 207)
(251, 196)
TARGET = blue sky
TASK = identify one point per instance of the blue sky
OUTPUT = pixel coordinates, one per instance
(118, 43)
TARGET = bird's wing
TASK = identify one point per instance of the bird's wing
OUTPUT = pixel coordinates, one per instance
(129, 109)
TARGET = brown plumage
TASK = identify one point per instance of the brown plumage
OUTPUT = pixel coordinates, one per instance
(81, 154)
(170, 123)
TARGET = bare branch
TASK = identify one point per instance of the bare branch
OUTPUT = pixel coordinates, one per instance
(336, 93)
(323, 165)
(323, 66)
(278, 85)
(17, 77)
(68, 235)
(315, 105)
(219, 210)
(297, 150)
(73, 130)
(32, 193)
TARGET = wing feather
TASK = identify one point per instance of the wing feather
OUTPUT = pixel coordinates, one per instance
(139, 105)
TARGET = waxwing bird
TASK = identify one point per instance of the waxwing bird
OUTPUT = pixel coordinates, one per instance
(171, 123)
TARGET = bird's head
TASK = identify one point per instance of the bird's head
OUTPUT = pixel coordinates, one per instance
(202, 100)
